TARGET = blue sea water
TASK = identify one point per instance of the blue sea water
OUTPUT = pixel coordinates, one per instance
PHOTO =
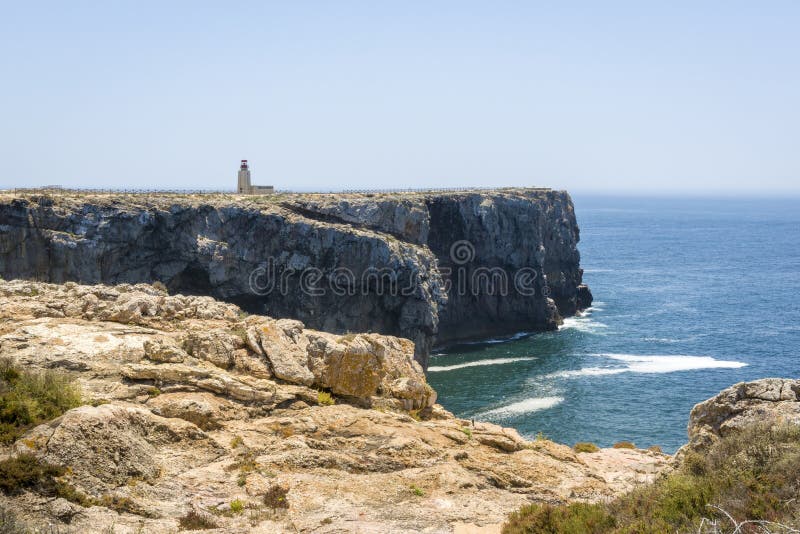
(691, 296)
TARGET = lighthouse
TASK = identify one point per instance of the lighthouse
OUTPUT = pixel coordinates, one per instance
(246, 187)
(244, 178)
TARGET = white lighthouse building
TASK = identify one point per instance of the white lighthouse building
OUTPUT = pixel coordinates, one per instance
(245, 185)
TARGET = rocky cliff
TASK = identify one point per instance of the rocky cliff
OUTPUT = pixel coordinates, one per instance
(199, 414)
(433, 268)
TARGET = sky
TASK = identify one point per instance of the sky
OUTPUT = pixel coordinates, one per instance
(637, 97)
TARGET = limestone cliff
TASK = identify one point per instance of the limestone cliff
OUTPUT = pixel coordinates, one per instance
(432, 268)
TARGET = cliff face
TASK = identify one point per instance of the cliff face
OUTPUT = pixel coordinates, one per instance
(427, 267)
(502, 254)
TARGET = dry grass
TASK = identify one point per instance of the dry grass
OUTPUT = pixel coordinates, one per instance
(29, 398)
(585, 446)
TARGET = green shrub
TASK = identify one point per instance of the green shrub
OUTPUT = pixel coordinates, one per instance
(467, 431)
(585, 446)
(752, 475)
(194, 520)
(624, 445)
(26, 472)
(237, 506)
(416, 490)
(576, 518)
(29, 398)
(324, 399)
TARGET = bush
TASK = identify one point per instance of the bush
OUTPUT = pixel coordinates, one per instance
(194, 520)
(324, 399)
(276, 497)
(237, 506)
(576, 518)
(753, 475)
(585, 446)
(29, 398)
(26, 472)
(624, 445)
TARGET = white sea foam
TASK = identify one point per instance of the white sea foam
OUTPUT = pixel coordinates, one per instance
(582, 324)
(668, 363)
(636, 363)
(491, 341)
(525, 406)
(588, 371)
(495, 361)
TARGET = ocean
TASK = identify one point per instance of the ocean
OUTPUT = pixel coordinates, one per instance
(691, 296)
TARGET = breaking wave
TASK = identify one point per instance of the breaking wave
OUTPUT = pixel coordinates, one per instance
(526, 406)
(495, 361)
(582, 323)
(668, 364)
(635, 363)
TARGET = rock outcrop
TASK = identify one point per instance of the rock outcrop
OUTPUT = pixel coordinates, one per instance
(427, 267)
(195, 407)
(770, 400)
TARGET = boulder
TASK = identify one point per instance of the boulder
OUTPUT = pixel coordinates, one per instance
(215, 346)
(106, 446)
(744, 404)
(163, 351)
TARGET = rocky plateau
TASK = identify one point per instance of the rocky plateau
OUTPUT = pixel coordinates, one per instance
(194, 406)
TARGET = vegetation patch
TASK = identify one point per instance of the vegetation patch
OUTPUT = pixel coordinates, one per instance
(416, 490)
(325, 399)
(237, 506)
(26, 472)
(276, 497)
(624, 445)
(195, 520)
(585, 446)
(745, 483)
(29, 398)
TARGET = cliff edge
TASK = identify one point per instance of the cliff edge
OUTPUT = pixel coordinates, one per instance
(429, 267)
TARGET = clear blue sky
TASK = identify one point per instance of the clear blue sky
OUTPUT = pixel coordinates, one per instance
(694, 95)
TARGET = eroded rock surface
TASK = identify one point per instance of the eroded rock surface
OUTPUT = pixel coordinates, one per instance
(747, 403)
(195, 407)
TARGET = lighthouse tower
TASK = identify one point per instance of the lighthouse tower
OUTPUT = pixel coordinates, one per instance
(245, 187)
